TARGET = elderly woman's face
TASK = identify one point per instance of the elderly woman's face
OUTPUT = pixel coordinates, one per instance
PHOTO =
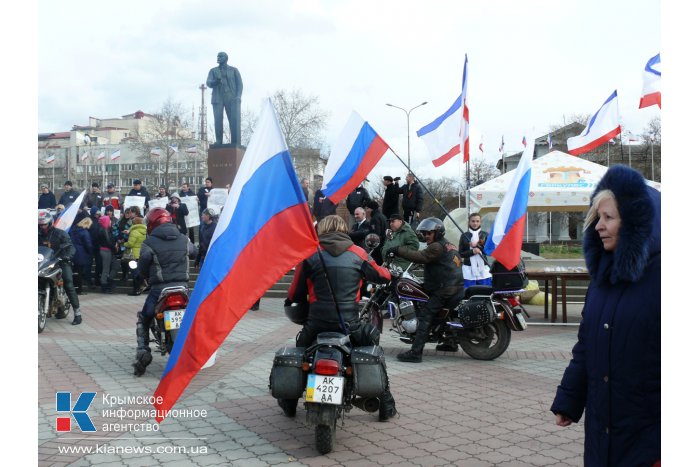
(608, 225)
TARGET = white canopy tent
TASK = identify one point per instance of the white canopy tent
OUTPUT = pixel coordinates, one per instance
(559, 182)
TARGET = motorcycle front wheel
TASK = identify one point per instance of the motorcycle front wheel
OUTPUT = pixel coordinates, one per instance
(496, 341)
(325, 438)
(42, 312)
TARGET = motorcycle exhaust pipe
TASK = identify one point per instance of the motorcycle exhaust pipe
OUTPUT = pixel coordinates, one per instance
(368, 404)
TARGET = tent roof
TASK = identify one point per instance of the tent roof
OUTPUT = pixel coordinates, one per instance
(559, 182)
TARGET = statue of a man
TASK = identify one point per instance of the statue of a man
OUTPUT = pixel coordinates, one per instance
(227, 87)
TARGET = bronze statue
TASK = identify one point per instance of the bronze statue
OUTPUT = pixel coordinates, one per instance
(227, 87)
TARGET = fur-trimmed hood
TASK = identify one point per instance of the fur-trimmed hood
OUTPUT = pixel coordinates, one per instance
(640, 233)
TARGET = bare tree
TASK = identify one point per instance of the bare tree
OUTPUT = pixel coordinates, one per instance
(302, 121)
(652, 132)
(445, 190)
(164, 136)
(480, 171)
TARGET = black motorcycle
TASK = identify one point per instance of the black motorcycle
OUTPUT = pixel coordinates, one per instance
(52, 297)
(481, 324)
(333, 376)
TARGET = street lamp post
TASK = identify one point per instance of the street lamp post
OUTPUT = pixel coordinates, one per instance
(408, 128)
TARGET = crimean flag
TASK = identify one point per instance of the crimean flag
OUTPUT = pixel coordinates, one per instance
(441, 136)
(115, 155)
(651, 88)
(51, 158)
(85, 155)
(156, 152)
(524, 141)
(603, 126)
(464, 123)
(505, 241)
(192, 150)
(264, 230)
(100, 156)
(353, 156)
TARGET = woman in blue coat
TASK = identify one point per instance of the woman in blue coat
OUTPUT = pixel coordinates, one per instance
(615, 373)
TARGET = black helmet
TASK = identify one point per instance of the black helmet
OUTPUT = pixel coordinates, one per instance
(432, 224)
(297, 313)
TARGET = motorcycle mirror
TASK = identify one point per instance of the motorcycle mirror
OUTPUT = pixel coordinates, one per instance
(132, 264)
(372, 240)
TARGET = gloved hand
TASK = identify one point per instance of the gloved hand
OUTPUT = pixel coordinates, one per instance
(393, 251)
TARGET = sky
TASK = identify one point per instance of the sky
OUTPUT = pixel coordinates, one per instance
(530, 62)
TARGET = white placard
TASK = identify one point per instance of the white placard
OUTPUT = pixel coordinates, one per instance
(217, 199)
(139, 201)
(157, 203)
(192, 219)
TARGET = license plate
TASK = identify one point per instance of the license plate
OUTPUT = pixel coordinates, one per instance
(325, 389)
(523, 323)
(173, 319)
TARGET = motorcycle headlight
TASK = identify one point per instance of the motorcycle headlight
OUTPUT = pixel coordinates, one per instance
(41, 258)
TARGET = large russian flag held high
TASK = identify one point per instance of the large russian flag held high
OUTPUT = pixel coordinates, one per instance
(264, 230)
(506, 237)
(603, 126)
(354, 154)
(651, 89)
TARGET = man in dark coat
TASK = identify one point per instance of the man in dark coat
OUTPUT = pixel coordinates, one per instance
(361, 228)
(377, 225)
(322, 206)
(95, 197)
(203, 193)
(442, 280)
(412, 201)
(615, 372)
(164, 263)
(47, 200)
(178, 211)
(59, 241)
(391, 196)
(69, 195)
(206, 232)
(139, 190)
(358, 198)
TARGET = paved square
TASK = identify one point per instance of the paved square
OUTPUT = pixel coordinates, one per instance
(453, 410)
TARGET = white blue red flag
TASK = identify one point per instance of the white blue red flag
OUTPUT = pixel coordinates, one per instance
(353, 156)
(524, 141)
(173, 147)
(192, 150)
(603, 126)
(65, 220)
(441, 136)
(100, 156)
(464, 124)
(264, 230)
(85, 155)
(505, 241)
(156, 152)
(651, 89)
(115, 155)
(51, 159)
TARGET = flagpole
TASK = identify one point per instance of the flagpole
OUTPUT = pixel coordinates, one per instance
(652, 160)
(608, 153)
(629, 152)
(428, 191)
(469, 199)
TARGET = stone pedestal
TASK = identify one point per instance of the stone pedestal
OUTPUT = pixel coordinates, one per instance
(560, 226)
(223, 161)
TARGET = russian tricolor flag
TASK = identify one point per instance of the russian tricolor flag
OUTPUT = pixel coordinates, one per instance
(505, 240)
(353, 156)
(603, 126)
(265, 229)
(651, 89)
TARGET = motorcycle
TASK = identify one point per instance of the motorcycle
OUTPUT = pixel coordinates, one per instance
(333, 376)
(481, 324)
(52, 297)
(169, 311)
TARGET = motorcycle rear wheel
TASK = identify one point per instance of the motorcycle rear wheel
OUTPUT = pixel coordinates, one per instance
(42, 312)
(325, 438)
(496, 342)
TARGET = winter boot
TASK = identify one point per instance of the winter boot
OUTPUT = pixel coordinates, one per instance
(143, 352)
(410, 356)
(387, 406)
(77, 317)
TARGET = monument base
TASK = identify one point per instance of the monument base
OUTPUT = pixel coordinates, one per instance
(223, 161)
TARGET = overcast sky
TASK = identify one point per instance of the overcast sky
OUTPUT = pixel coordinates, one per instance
(530, 62)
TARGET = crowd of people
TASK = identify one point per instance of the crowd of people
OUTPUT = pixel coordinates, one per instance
(98, 246)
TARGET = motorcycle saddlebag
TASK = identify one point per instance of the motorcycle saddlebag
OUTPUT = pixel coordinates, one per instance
(369, 375)
(508, 279)
(287, 378)
(476, 312)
